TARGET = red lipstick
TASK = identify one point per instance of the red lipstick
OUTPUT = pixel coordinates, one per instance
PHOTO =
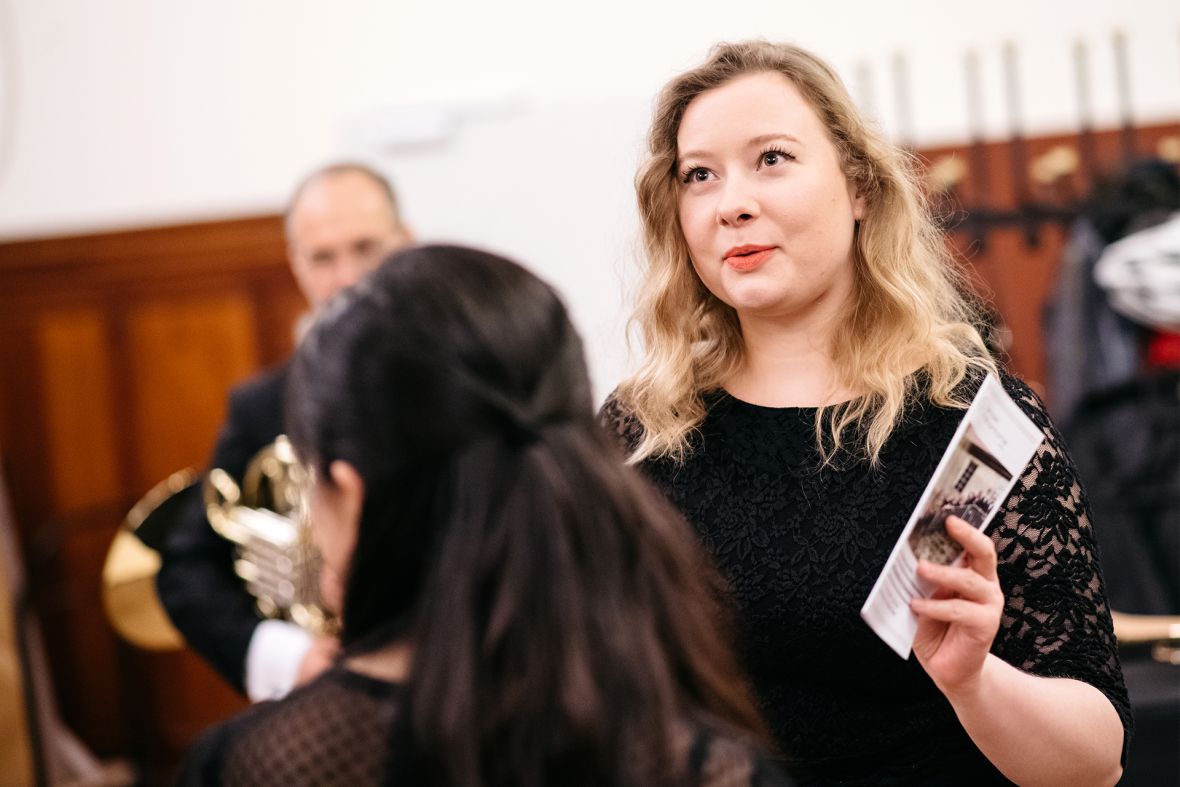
(748, 257)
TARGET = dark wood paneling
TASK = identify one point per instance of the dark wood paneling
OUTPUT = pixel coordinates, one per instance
(26, 462)
(187, 352)
(77, 407)
(117, 351)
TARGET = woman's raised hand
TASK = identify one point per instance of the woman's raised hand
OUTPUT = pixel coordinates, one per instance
(957, 625)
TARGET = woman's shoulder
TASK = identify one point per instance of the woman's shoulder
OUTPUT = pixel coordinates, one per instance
(626, 429)
(613, 409)
(204, 762)
(320, 728)
(1025, 396)
(619, 421)
(720, 758)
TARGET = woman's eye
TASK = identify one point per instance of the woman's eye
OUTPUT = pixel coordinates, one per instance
(773, 158)
(695, 175)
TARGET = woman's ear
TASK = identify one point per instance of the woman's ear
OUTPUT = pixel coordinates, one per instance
(350, 487)
(858, 201)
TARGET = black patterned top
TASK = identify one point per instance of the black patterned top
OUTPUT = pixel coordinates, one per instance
(336, 731)
(802, 544)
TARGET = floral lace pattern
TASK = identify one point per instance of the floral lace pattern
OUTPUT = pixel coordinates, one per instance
(801, 545)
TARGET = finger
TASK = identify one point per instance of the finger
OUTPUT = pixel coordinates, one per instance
(964, 581)
(976, 544)
(959, 611)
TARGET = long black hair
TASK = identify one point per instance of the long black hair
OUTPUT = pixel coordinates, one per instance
(563, 624)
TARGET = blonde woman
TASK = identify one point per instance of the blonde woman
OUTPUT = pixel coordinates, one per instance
(808, 357)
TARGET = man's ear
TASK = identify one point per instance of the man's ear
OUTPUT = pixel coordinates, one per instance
(405, 236)
(350, 486)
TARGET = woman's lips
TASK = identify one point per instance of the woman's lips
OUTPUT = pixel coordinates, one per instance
(747, 258)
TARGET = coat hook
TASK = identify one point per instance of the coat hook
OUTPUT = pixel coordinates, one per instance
(1168, 148)
(946, 173)
(1055, 164)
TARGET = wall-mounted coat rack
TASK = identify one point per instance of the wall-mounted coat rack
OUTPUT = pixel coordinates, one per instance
(1028, 183)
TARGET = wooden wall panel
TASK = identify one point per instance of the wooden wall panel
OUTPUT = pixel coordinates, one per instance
(1019, 280)
(184, 353)
(276, 306)
(117, 351)
(26, 463)
(82, 650)
(78, 409)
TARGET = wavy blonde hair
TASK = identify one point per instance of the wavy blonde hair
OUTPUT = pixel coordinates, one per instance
(908, 309)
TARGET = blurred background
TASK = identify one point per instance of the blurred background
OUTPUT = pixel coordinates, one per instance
(147, 149)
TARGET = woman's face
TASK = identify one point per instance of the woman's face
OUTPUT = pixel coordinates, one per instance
(765, 209)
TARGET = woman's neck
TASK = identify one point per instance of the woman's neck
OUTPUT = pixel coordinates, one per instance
(785, 366)
(390, 663)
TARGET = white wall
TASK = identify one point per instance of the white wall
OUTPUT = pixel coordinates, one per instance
(134, 112)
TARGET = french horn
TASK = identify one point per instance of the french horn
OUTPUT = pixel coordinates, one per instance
(266, 518)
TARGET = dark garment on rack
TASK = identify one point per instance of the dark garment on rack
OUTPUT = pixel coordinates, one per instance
(1127, 448)
(1088, 346)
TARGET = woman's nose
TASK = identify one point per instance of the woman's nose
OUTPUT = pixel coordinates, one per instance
(737, 204)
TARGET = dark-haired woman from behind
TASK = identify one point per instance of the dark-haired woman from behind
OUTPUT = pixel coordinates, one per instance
(517, 608)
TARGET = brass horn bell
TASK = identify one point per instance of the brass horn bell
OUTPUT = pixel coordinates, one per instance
(133, 560)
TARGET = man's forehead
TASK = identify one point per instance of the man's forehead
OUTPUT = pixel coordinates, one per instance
(350, 211)
(338, 190)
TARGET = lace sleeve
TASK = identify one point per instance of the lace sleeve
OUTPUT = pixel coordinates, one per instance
(620, 424)
(1056, 621)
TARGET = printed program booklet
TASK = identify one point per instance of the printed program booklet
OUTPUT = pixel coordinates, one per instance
(985, 458)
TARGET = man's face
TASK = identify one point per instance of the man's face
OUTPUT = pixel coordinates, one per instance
(339, 229)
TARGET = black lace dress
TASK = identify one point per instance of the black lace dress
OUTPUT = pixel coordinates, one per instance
(802, 545)
(336, 731)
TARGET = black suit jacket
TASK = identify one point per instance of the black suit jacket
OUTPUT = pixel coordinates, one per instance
(206, 601)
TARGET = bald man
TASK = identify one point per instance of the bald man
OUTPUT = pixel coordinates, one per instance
(341, 222)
